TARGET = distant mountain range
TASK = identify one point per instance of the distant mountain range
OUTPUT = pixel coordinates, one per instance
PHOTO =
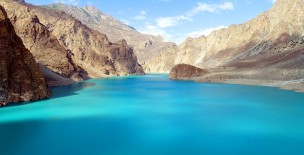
(267, 50)
(145, 46)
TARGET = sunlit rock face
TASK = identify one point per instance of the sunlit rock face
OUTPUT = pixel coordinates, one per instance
(268, 47)
(20, 78)
(64, 46)
(90, 49)
(45, 47)
(145, 46)
(273, 32)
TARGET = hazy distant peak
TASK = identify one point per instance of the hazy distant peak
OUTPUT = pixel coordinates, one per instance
(20, 1)
(92, 8)
(145, 46)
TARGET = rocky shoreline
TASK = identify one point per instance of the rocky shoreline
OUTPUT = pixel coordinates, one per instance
(236, 77)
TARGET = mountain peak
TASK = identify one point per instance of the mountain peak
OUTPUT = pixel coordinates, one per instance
(92, 9)
(20, 1)
(287, 9)
(288, 3)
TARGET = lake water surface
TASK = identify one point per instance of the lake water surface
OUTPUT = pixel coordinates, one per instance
(151, 115)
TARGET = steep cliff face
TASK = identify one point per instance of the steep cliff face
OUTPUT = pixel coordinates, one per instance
(145, 46)
(65, 47)
(90, 49)
(269, 34)
(267, 50)
(20, 78)
(186, 53)
(45, 48)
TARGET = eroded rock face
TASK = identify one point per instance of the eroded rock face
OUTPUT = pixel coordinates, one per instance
(267, 50)
(62, 45)
(145, 46)
(19, 1)
(45, 47)
(20, 78)
(90, 49)
(186, 72)
(271, 33)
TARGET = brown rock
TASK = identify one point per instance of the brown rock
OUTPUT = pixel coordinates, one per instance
(62, 45)
(45, 47)
(90, 49)
(268, 49)
(273, 32)
(145, 46)
(20, 1)
(20, 78)
(185, 72)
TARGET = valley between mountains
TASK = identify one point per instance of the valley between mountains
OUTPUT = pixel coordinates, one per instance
(57, 45)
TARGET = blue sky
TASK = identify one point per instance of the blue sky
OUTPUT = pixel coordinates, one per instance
(175, 20)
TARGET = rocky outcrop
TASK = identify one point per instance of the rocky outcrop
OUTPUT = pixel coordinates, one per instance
(45, 47)
(90, 49)
(19, 1)
(185, 72)
(145, 46)
(268, 47)
(20, 78)
(162, 63)
(186, 53)
(66, 47)
(270, 33)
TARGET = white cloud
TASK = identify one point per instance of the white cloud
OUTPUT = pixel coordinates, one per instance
(127, 22)
(272, 1)
(89, 3)
(226, 6)
(204, 32)
(72, 2)
(202, 7)
(140, 16)
(164, 22)
(154, 30)
(161, 23)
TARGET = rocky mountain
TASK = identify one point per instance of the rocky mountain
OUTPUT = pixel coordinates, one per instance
(20, 78)
(45, 47)
(186, 53)
(145, 46)
(66, 47)
(268, 49)
(185, 71)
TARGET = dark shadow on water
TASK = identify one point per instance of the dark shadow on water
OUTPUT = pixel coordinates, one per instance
(73, 136)
(58, 92)
(70, 90)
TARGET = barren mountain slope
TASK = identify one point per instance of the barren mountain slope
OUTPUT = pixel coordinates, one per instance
(90, 49)
(269, 34)
(20, 78)
(65, 46)
(45, 48)
(267, 50)
(145, 46)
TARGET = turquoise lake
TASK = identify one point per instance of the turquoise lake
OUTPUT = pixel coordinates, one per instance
(151, 115)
